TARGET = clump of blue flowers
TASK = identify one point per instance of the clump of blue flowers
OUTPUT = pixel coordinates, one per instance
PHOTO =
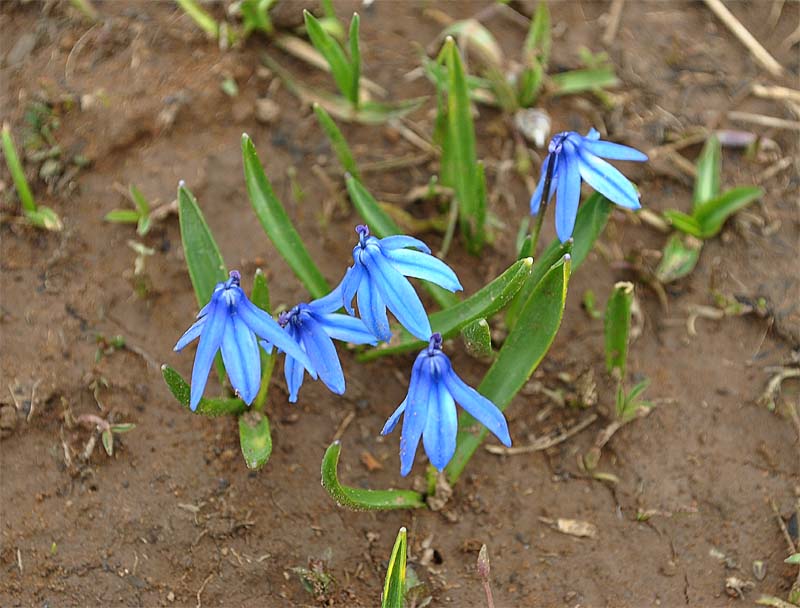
(572, 158)
(430, 409)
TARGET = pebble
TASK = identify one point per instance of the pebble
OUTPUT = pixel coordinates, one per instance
(266, 110)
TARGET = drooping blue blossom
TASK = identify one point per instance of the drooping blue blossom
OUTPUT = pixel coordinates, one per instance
(231, 323)
(313, 327)
(430, 409)
(574, 157)
(378, 278)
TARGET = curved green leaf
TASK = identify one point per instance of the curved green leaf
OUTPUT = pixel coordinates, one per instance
(617, 327)
(363, 500)
(334, 54)
(122, 216)
(523, 350)
(207, 407)
(17, 173)
(338, 142)
(683, 222)
(680, 256)
(355, 59)
(711, 215)
(484, 303)
(395, 583)
(255, 439)
(709, 171)
(478, 339)
(277, 225)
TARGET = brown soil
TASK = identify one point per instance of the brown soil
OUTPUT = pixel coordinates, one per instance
(175, 518)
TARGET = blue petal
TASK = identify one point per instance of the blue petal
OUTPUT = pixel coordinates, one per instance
(372, 310)
(350, 284)
(346, 329)
(323, 355)
(607, 180)
(241, 357)
(399, 241)
(593, 135)
(423, 266)
(331, 302)
(478, 406)
(612, 151)
(266, 346)
(398, 294)
(536, 197)
(441, 427)
(210, 341)
(393, 419)
(416, 413)
(191, 334)
(265, 327)
(293, 371)
(569, 192)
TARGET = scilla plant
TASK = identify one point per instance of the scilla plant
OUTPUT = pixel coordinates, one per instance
(377, 280)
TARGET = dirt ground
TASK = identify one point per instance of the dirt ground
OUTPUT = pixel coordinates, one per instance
(175, 518)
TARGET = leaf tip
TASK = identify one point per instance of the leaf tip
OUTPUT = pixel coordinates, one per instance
(181, 184)
(528, 262)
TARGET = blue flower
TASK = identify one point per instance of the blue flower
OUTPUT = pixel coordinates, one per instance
(230, 322)
(313, 327)
(378, 278)
(430, 409)
(575, 157)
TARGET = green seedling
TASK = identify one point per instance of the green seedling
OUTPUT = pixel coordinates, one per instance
(394, 586)
(107, 430)
(38, 215)
(107, 346)
(139, 215)
(255, 16)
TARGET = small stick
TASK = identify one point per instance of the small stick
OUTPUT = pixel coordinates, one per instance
(788, 537)
(774, 169)
(765, 121)
(759, 53)
(776, 92)
(543, 443)
(614, 14)
(202, 588)
(343, 426)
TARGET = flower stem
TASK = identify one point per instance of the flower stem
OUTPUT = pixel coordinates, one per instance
(261, 398)
(543, 201)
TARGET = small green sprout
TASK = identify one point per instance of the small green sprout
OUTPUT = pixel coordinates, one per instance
(139, 215)
(107, 430)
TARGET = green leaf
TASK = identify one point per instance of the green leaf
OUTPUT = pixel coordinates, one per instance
(683, 222)
(680, 256)
(122, 216)
(477, 40)
(255, 439)
(592, 218)
(794, 558)
(363, 500)
(458, 154)
(44, 217)
(478, 339)
(580, 81)
(355, 59)
(536, 51)
(123, 427)
(143, 225)
(108, 442)
(139, 201)
(381, 225)
(338, 142)
(203, 259)
(260, 293)
(524, 348)
(617, 327)
(711, 215)
(205, 21)
(484, 303)
(530, 85)
(260, 297)
(255, 15)
(334, 54)
(17, 173)
(709, 172)
(277, 225)
(207, 407)
(395, 582)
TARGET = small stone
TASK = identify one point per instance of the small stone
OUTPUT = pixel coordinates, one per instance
(266, 110)
(170, 597)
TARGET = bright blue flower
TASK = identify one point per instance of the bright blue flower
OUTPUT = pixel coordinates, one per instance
(430, 409)
(231, 322)
(313, 327)
(378, 278)
(575, 157)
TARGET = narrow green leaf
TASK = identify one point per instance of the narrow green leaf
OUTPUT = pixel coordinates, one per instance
(139, 201)
(203, 258)
(207, 407)
(17, 173)
(381, 225)
(794, 558)
(478, 339)
(580, 81)
(484, 303)
(334, 54)
(255, 439)
(680, 256)
(395, 582)
(338, 142)
(143, 225)
(108, 442)
(260, 297)
(617, 327)
(123, 427)
(537, 43)
(524, 348)
(363, 500)
(260, 293)
(709, 172)
(355, 59)
(478, 41)
(205, 21)
(683, 222)
(44, 217)
(122, 216)
(277, 225)
(530, 85)
(711, 215)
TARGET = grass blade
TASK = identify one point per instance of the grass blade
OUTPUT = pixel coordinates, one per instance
(122, 216)
(255, 439)
(277, 225)
(537, 43)
(709, 172)
(205, 21)
(17, 173)
(617, 327)
(580, 81)
(358, 499)
(325, 43)
(355, 59)
(395, 583)
(207, 407)
(338, 142)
